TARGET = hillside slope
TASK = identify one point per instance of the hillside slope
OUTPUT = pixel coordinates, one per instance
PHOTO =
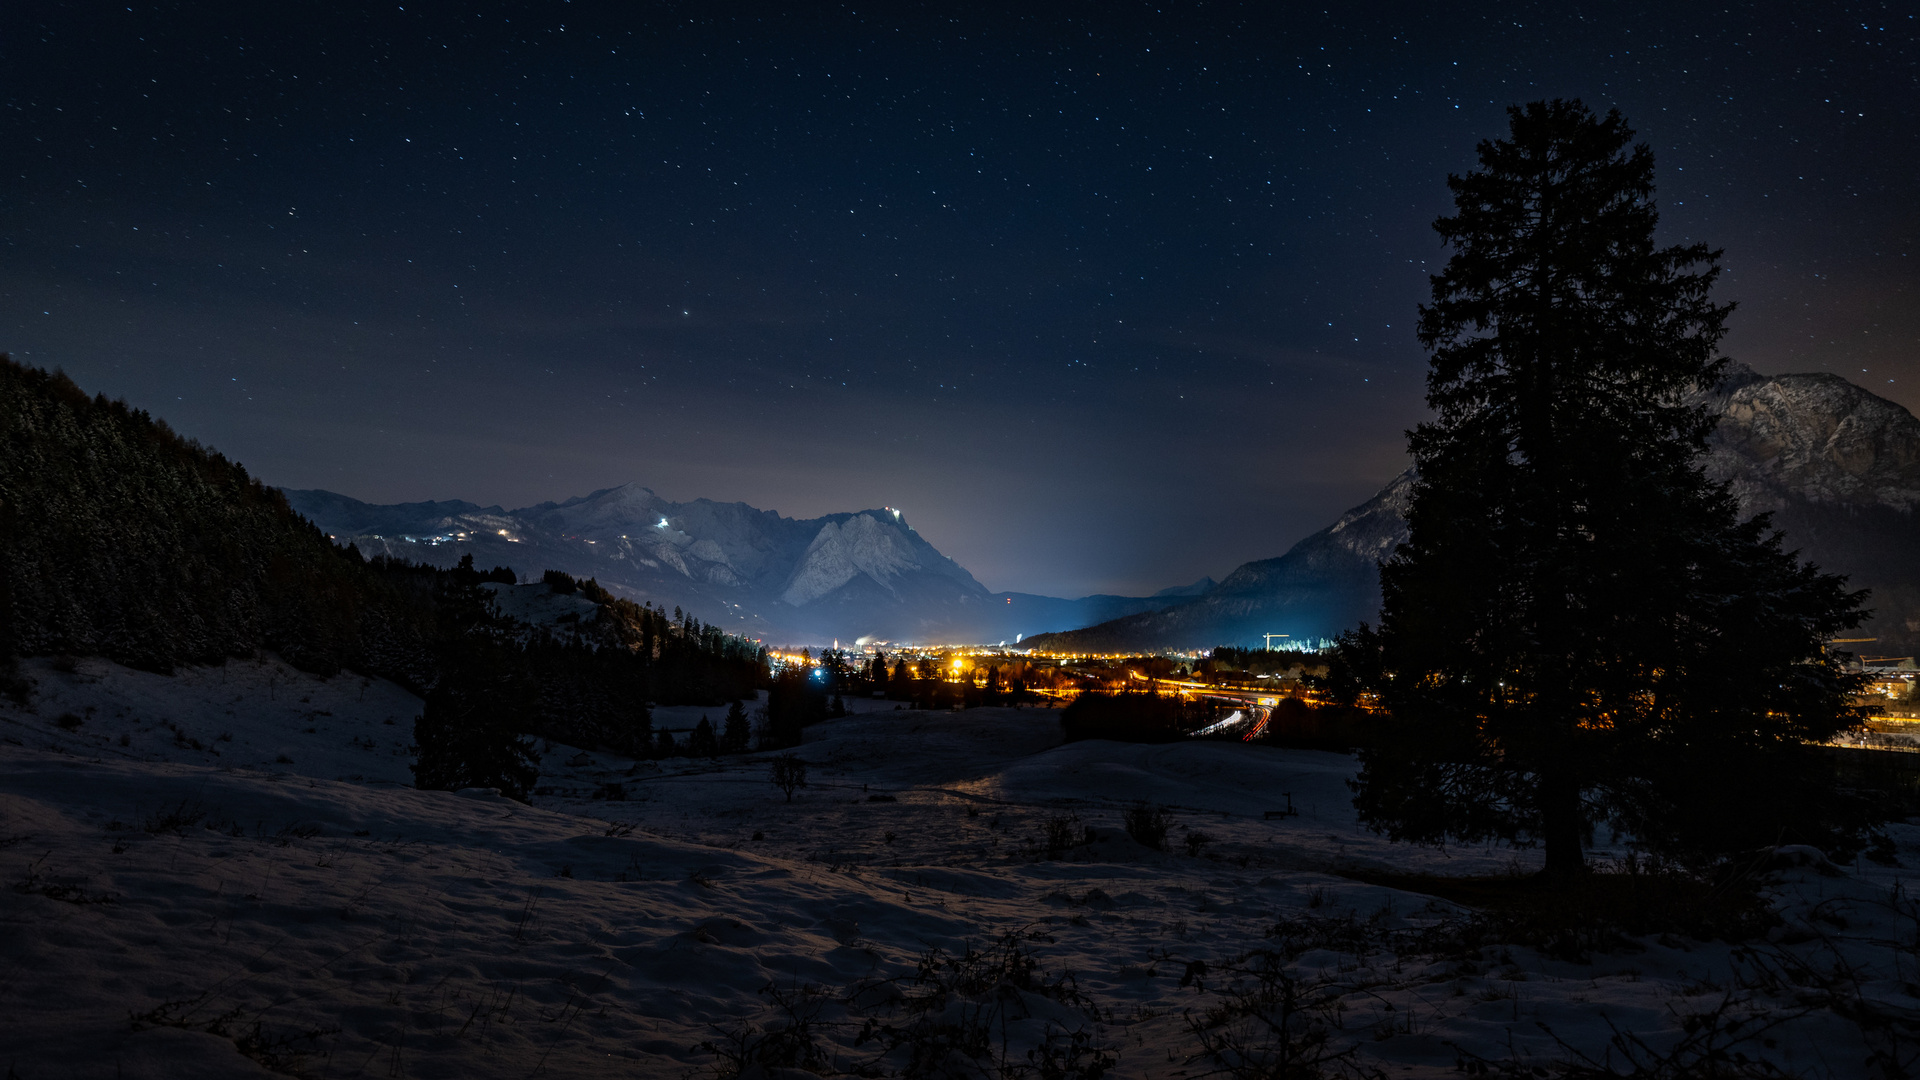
(122, 539)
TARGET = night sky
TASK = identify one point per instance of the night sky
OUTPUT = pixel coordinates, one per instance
(1105, 297)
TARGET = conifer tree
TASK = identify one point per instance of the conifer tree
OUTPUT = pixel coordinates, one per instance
(1580, 628)
(469, 733)
(702, 742)
(736, 733)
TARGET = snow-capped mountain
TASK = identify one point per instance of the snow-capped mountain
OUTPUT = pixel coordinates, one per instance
(865, 574)
(1837, 466)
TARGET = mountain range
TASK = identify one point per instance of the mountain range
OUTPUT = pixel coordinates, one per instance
(860, 576)
(1836, 465)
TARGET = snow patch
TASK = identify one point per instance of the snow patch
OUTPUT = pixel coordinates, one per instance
(841, 552)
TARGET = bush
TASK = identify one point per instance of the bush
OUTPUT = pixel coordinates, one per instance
(1148, 825)
(1061, 835)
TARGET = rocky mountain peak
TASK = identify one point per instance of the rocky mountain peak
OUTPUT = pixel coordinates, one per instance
(1374, 528)
(843, 550)
(1819, 438)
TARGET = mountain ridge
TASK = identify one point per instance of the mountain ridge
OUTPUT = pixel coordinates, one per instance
(1837, 467)
(863, 574)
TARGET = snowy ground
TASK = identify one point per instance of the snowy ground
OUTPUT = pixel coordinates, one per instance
(180, 903)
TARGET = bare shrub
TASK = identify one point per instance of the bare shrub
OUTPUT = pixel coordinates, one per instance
(1060, 835)
(1148, 825)
(950, 1009)
(787, 773)
(179, 817)
(1272, 1024)
(791, 1040)
(284, 1052)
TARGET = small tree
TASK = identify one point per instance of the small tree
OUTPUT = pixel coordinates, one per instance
(702, 742)
(736, 733)
(788, 772)
(466, 738)
(470, 732)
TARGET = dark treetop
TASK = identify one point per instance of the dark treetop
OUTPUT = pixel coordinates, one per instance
(1580, 627)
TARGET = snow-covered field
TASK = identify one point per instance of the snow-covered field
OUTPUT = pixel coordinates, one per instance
(224, 873)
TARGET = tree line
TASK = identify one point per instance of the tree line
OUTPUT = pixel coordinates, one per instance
(121, 539)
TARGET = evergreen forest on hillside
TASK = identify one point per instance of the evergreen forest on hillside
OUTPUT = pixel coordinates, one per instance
(125, 540)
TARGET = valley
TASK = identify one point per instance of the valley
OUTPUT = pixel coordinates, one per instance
(212, 910)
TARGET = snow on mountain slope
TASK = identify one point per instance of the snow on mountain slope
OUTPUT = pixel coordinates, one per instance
(1816, 438)
(1837, 466)
(861, 544)
(750, 571)
(351, 517)
(205, 917)
(537, 605)
(722, 543)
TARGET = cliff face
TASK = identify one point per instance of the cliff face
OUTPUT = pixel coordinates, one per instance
(1817, 439)
(1837, 466)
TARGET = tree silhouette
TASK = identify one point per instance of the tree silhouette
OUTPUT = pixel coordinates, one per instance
(1579, 627)
(787, 773)
(470, 731)
(702, 742)
(736, 732)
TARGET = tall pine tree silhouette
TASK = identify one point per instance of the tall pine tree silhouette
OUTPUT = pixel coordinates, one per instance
(1580, 628)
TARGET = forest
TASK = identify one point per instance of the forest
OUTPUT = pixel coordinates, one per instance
(122, 539)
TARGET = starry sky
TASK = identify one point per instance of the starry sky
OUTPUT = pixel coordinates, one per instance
(1105, 296)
